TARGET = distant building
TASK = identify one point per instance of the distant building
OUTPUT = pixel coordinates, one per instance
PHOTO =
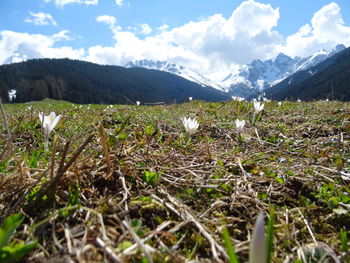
(12, 94)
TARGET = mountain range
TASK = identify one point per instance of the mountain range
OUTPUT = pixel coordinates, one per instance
(85, 82)
(329, 79)
(322, 75)
(252, 78)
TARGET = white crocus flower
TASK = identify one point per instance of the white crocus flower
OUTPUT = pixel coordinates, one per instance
(48, 122)
(191, 125)
(237, 98)
(239, 126)
(258, 107)
(279, 103)
(190, 98)
(138, 103)
(257, 253)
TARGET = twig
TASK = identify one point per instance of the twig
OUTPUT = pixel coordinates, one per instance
(53, 156)
(108, 250)
(102, 133)
(257, 135)
(223, 104)
(51, 184)
(63, 156)
(138, 241)
(186, 215)
(154, 233)
(242, 169)
(126, 191)
(5, 120)
(308, 227)
(28, 190)
(103, 228)
(68, 236)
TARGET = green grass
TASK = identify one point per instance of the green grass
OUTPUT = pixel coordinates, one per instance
(178, 192)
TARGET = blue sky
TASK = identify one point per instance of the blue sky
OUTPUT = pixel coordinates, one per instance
(212, 37)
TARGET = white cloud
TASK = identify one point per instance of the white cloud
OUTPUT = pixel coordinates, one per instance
(61, 3)
(62, 35)
(212, 44)
(252, 18)
(41, 19)
(218, 44)
(163, 27)
(15, 47)
(119, 2)
(109, 20)
(145, 29)
(327, 29)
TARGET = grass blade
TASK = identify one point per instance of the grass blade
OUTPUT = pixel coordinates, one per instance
(269, 235)
(229, 246)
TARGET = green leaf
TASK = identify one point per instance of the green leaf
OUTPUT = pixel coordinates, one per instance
(343, 240)
(14, 253)
(229, 246)
(8, 227)
(123, 136)
(280, 180)
(149, 130)
(124, 245)
(269, 235)
(123, 125)
(150, 177)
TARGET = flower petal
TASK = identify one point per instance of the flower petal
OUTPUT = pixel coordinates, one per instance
(257, 253)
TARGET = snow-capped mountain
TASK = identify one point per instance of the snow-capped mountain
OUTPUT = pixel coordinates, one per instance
(318, 57)
(175, 69)
(252, 78)
(259, 75)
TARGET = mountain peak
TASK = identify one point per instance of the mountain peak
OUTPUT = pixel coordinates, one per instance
(338, 48)
(282, 57)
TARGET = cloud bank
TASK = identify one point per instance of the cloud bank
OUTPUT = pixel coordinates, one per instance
(326, 30)
(16, 47)
(212, 46)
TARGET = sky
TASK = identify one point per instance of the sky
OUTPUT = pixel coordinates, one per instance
(211, 37)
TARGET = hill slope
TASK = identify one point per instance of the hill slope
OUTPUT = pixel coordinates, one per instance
(328, 79)
(84, 82)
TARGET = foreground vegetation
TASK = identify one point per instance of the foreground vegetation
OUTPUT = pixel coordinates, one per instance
(125, 183)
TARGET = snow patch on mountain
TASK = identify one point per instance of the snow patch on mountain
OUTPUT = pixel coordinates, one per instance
(174, 69)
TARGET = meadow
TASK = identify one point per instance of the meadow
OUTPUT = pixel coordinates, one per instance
(126, 183)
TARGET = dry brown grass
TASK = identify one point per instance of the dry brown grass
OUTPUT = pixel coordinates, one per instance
(99, 208)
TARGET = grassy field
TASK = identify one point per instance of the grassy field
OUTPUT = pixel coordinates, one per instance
(125, 183)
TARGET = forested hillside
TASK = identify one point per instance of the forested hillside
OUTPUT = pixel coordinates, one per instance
(328, 79)
(84, 82)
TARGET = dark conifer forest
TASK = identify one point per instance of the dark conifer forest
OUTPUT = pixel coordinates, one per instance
(84, 82)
